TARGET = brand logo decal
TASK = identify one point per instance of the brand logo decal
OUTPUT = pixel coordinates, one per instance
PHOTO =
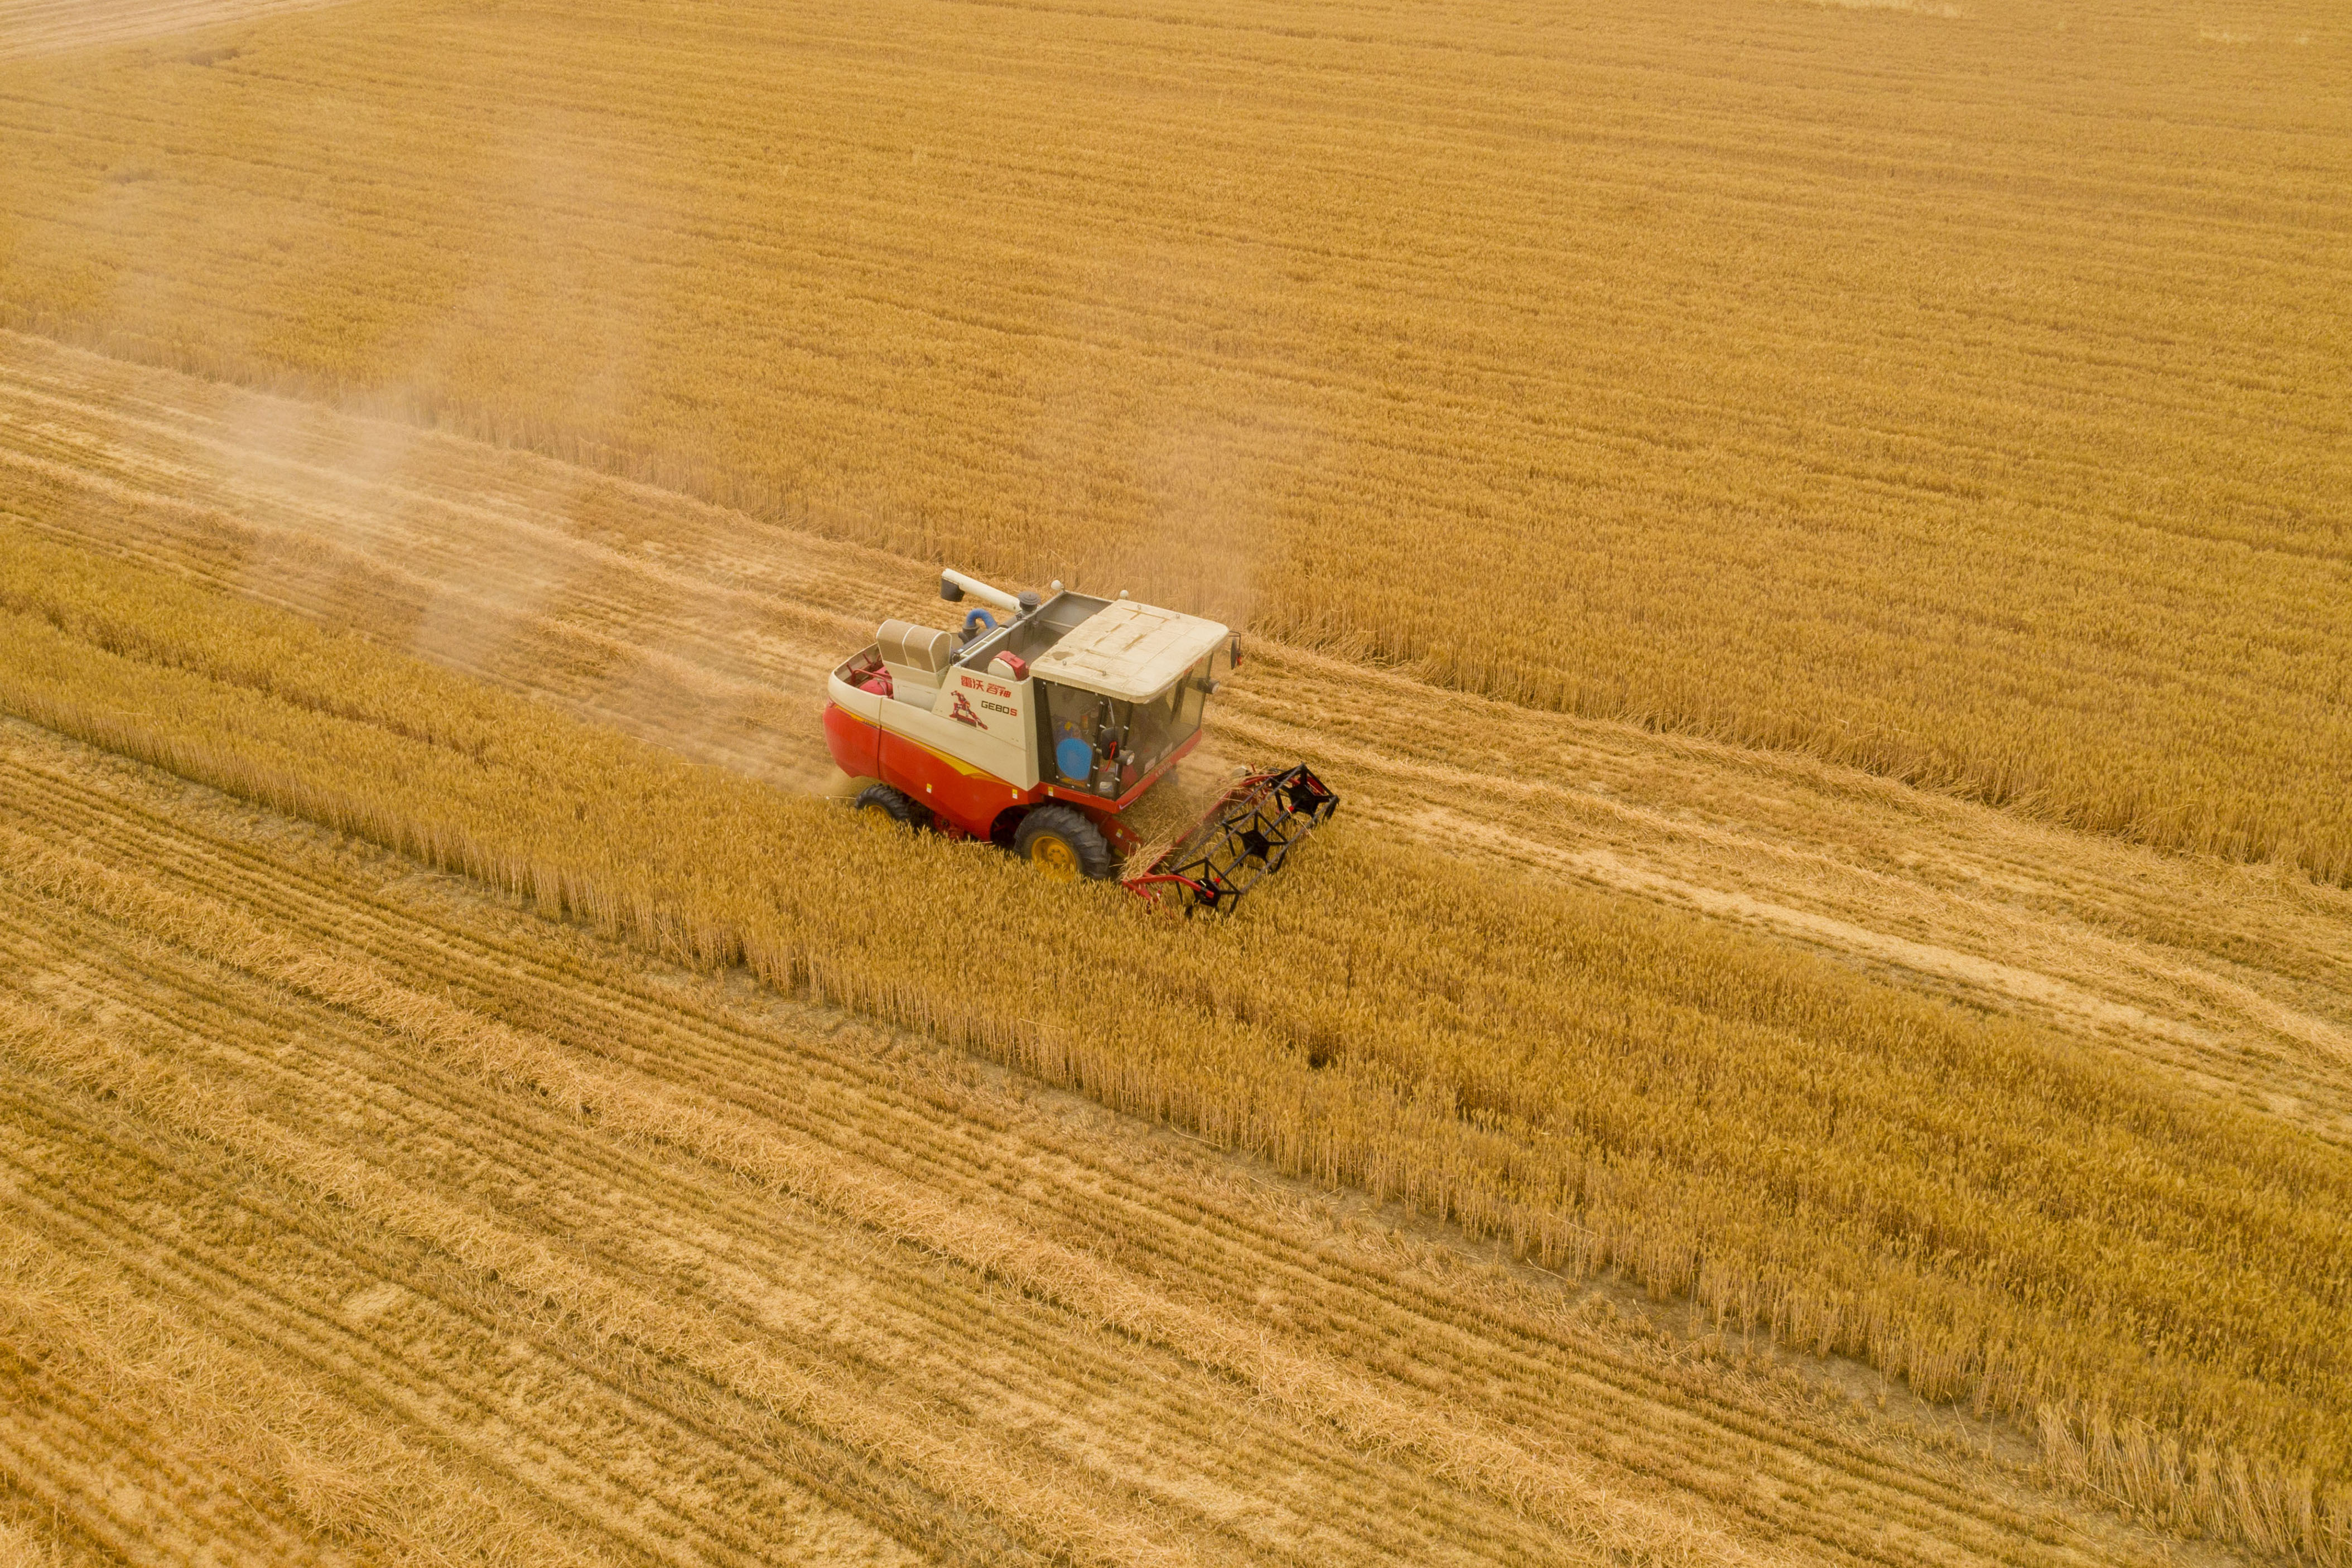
(979, 699)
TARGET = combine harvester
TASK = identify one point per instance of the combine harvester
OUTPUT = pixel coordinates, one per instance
(1038, 731)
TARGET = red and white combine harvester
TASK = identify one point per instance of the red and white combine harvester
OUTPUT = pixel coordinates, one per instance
(1044, 720)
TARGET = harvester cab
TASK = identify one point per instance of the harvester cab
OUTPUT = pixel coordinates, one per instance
(1044, 720)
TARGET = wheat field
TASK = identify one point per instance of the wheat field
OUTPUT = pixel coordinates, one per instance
(1809, 535)
(1955, 390)
(2000, 1219)
(357, 1215)
(705, 631)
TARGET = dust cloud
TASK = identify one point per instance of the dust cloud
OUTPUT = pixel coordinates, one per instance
(1208, 458)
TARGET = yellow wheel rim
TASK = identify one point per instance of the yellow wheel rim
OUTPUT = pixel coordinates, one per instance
(876, 811)
(1055, 857)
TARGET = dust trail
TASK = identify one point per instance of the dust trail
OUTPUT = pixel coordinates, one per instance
(1208, 458)
(709, 632)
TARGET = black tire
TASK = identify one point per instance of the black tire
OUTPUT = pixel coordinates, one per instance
(881, 800)
(1060, 841)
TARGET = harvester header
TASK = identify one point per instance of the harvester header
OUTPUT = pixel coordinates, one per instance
(1042, 720)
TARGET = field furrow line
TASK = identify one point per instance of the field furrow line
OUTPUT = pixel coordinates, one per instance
(439, 1221)
(56, 1474)
(256, 1312)
(494, 1156)
(1410, 1329)
(1252, 1241)
(70, 1447)
(328, 1233)
(1108, 1373)
(457, 1392)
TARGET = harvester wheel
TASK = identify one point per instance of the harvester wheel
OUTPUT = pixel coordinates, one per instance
(1061, 842)
(879, 802)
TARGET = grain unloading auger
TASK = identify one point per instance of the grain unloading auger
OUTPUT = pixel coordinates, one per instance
(1043, 722)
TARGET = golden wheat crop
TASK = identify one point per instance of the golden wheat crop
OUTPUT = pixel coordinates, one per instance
(707, 632)
(1970, 1204)
(351, 1214)
(1955, 390)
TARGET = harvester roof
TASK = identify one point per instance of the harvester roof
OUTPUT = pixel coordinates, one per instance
(1129, 651)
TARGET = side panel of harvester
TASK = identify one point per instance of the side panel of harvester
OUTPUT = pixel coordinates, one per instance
(853, 725)
(967, 757)
(970, 797)
(963, 760)
(994, 718)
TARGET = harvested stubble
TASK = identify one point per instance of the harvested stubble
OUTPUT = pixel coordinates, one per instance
(1955, 390)
(352, 1213)
(1969, 1204)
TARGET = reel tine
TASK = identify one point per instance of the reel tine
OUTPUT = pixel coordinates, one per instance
(1261, 820)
